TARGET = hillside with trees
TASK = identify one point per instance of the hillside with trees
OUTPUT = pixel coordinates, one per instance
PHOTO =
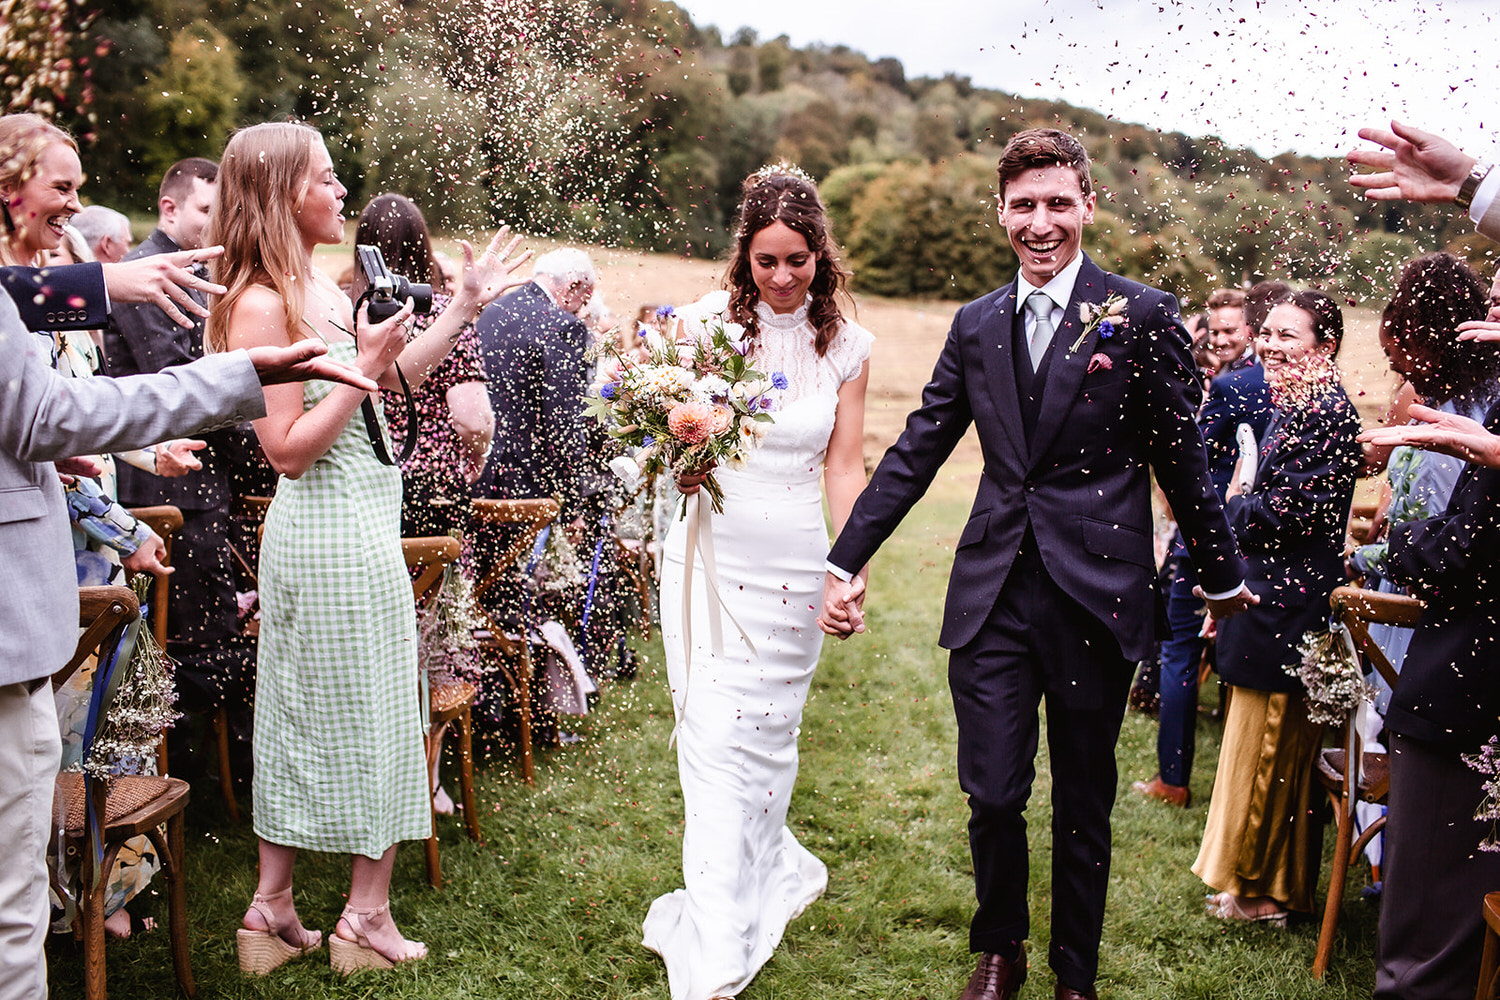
(621, 122)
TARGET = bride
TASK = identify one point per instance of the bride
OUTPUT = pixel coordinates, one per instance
(746, 875)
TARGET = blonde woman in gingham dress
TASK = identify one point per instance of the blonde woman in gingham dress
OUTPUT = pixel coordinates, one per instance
(339, 762)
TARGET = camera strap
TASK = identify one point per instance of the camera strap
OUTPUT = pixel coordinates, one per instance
(372, 425)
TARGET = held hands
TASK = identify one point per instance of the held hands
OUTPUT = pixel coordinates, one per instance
(302, 361)
(843, 606)
(1447, 433)
(1414, 165)
(1239, 601)
(163, 279)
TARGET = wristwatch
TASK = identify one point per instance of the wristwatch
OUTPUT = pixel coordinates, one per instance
(1465, 196)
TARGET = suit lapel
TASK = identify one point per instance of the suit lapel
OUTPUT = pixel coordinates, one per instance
(1066, 370)
(999, 373)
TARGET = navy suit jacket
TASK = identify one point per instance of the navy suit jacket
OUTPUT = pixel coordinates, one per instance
(1238, 396)
(534, 357)
(141, 339)
(67, 297)
(1083, 484)
(1291, 530)
(1449, 689)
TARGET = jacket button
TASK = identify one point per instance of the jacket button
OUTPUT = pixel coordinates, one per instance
(1030, 486)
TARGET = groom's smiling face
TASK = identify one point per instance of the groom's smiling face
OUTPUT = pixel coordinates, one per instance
(1044, 211)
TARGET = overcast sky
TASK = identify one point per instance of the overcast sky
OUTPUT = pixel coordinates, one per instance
(1270, 74)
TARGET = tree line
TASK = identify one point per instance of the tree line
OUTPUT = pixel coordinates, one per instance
(622, 122)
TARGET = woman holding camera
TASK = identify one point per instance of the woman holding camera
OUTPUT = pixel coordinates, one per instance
(339, 763)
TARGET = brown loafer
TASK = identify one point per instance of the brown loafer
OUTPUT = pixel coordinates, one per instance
(1177, 795)
(996, 978)
(1061, 992)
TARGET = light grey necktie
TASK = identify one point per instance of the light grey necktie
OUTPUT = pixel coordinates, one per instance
(1041, 332)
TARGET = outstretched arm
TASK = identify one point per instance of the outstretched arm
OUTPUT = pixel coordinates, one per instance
(844, 480)
(1412, 165)
(1447, 433)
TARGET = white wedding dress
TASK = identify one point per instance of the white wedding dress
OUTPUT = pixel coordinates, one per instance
(746, 875)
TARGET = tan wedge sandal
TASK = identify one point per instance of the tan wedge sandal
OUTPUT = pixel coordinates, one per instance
(350, 956)
(263, 951)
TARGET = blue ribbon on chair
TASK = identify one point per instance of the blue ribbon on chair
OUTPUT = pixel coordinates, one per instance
(104, 674)
(588, 600)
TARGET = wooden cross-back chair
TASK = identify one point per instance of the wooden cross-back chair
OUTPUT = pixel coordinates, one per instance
(126, 806)
(448, 704)
(1347, 773)
(512, 654)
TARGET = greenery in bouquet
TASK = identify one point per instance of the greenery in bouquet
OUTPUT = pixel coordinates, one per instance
(1330, 671)
(694, 402)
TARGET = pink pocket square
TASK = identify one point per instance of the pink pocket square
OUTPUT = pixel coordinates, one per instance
(1099, 362)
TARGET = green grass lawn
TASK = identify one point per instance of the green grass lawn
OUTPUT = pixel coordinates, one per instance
(551, 904)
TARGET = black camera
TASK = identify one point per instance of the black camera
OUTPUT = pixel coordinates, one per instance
(388, 292)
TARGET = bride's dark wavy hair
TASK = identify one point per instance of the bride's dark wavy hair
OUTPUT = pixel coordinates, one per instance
(776, 196)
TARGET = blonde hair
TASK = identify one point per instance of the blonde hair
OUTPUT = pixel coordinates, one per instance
(261, 189)
(23, 140)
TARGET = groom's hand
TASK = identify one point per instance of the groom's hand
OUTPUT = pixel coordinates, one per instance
(843, 606)
(1231, 605)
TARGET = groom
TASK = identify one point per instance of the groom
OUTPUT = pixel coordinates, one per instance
(1053, 587)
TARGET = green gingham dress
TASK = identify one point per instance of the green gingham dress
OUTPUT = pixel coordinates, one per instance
(339, 761)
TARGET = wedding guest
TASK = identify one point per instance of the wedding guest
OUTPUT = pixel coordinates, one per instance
(339, 760)
(105, 231)
(45, 418)
(1261, 843)
(740, 708)
(1418, 330)
(1236, 396)
(455, 423)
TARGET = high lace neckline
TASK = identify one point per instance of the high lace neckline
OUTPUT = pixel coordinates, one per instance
(781, 321)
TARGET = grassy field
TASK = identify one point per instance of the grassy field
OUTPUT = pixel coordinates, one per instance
(551, 904)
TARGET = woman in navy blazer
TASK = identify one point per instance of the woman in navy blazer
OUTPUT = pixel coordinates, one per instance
(1261, 842)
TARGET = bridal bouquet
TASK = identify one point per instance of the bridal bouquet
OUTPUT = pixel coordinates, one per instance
(692, 402)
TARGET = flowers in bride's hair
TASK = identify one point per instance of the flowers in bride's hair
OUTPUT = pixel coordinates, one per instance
(1487, 763)
(693, 402)
(1107, 317)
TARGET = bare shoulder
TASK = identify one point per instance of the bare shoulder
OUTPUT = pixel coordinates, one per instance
(258, 318)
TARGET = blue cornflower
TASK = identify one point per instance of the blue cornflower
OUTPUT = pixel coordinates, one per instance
(778, 380)
(664, 312)
(1106, 329)
(647, 441)
(609, 389)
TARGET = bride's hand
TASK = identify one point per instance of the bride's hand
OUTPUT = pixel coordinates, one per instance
(843, 606)
(689, 482)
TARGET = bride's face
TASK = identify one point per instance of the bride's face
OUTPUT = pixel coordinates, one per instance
(782, 267)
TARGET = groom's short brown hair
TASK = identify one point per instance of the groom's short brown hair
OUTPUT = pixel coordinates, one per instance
(1044, 147)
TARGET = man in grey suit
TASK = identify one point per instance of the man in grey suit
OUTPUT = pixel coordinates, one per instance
(44, 418)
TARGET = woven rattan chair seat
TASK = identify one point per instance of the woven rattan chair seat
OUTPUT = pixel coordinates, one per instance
(128, 796)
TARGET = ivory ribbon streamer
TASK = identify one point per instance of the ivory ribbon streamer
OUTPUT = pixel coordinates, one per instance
(700, 538)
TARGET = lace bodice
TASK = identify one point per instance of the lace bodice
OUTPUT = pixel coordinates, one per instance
(796, 443)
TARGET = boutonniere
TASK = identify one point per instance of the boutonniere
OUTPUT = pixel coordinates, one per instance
(1106, 317)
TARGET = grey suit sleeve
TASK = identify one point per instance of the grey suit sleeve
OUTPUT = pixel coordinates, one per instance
(44, 416)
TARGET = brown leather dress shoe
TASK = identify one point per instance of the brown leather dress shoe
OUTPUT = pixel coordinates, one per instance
(996, 978)
(1177, 795)
(1061, 992)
